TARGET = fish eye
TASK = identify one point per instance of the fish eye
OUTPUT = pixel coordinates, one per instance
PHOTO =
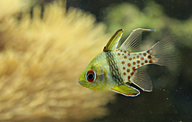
(90, 76)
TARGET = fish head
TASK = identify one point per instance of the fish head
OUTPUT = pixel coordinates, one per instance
(94, 76)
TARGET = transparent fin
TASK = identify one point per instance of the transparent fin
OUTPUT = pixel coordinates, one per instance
(126, 90)
(163, 52)
(114, 41)
(142, 80)
(134, 38)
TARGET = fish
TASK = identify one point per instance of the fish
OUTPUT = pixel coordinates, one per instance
(119, 69)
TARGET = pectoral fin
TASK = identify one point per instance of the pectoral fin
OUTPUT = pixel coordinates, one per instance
(126, 90)
(114, 41)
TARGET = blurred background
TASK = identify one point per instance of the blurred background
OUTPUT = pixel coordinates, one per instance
(46, 44)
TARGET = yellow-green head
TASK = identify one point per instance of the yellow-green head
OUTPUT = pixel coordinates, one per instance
(95, 75)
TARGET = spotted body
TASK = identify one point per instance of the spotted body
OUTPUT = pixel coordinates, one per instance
(129, 62)
(117, 68)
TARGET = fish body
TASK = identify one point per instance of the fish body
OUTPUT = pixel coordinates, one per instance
(118, 69)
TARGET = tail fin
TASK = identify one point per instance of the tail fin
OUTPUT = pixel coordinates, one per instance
(163, 52)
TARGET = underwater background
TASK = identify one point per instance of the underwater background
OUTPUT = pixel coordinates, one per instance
(46, 44)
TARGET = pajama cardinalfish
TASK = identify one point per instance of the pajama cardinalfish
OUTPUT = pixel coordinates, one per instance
(119, 69)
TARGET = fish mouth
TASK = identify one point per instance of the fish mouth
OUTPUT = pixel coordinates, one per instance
(82, 83)
(79, 82)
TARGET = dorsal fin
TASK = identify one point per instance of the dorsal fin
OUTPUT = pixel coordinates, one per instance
(142, 80)
(134, 38)
(114, 41)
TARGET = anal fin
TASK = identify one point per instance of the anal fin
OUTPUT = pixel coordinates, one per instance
(142, 80)
(126, 90)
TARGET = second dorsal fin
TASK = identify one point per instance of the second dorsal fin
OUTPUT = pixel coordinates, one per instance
(114, 41)
(134, 38)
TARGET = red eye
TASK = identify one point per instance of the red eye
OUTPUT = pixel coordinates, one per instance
(90, 76)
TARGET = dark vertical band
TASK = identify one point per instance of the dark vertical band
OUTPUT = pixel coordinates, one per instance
(113, 68)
